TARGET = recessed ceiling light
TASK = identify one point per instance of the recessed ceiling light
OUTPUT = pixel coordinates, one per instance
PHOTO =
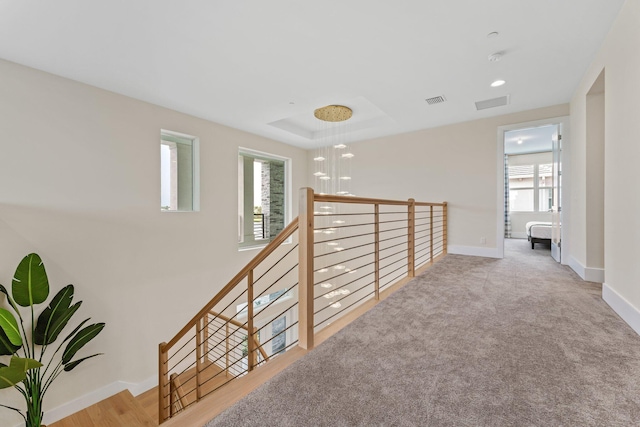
(325, 178)
(318, 159)
(340, 146)
(519, 141)
(319, 174)
(498, 83)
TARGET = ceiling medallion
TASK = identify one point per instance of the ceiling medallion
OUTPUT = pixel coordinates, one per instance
(333, 113)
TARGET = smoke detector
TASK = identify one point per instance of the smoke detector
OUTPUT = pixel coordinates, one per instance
(495, 57)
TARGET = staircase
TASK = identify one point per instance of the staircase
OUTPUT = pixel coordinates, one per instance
(340, 257)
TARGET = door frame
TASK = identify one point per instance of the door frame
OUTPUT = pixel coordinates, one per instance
(563, 121)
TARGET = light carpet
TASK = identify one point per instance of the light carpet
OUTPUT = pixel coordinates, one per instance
(520, 341)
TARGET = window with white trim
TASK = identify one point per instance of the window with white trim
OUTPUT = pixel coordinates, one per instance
(530, 187)
(262, 197)
(178, 172)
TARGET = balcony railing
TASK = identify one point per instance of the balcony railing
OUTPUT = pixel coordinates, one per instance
(338, 254)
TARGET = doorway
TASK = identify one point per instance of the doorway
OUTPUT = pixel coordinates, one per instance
(530, 185)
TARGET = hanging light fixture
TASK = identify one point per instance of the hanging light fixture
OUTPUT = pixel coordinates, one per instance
(333, 161)
(332, 173)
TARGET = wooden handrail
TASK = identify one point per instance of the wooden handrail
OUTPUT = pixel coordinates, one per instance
(327, 198)
(228, 319)
(243, 326)
(264, 253)
(176, 387)
(260, 348)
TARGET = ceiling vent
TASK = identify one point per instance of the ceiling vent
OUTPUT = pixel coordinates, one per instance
(491, 103)
(435, 100)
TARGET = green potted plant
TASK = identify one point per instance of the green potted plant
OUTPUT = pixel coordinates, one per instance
(31, 369)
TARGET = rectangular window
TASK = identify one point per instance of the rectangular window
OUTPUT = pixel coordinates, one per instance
(530, 187)
(178, 172)
(262, 198)
(278, 332)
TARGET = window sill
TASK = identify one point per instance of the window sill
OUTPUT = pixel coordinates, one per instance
(260, 245)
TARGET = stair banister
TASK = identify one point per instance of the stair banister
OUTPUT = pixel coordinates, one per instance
(305, 268)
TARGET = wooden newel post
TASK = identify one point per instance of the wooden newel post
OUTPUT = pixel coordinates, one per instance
(411, 240)
(305, 268)
(445, 219)
(163, 384)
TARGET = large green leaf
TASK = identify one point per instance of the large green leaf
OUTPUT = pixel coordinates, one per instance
(16, 371)
(69, 366)
(76, 330)
(9, 325)
(77, 342)
(55, 317)
(24, 364)
(10, 376)
(30, 284)
(6, 348)
(13, 304)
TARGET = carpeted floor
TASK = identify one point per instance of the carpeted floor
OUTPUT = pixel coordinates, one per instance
(521, 341)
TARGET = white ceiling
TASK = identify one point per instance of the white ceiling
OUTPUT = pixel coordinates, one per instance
(264, 66)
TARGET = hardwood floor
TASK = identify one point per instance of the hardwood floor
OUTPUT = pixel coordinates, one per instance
(119, 410)
(149, 402)
(123, 409)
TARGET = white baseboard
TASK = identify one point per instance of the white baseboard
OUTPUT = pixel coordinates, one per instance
(589, 274)
(96, 396)
(473, 251)
(622, 307)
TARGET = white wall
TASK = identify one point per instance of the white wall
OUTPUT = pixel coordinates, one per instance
(619, 56)
(79, 184)
(594, 211)
(455, 163)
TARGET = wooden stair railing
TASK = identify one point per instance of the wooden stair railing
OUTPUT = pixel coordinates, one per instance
(200, 323)
(234, 322)
(383, 241)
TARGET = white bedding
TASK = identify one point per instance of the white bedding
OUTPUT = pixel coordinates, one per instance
(539, 230)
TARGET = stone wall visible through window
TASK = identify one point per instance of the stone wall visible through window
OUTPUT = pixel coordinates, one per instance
(262, 199)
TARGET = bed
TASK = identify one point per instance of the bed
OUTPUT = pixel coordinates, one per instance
(538, 232)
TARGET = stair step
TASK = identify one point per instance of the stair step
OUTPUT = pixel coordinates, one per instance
(121, 409)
